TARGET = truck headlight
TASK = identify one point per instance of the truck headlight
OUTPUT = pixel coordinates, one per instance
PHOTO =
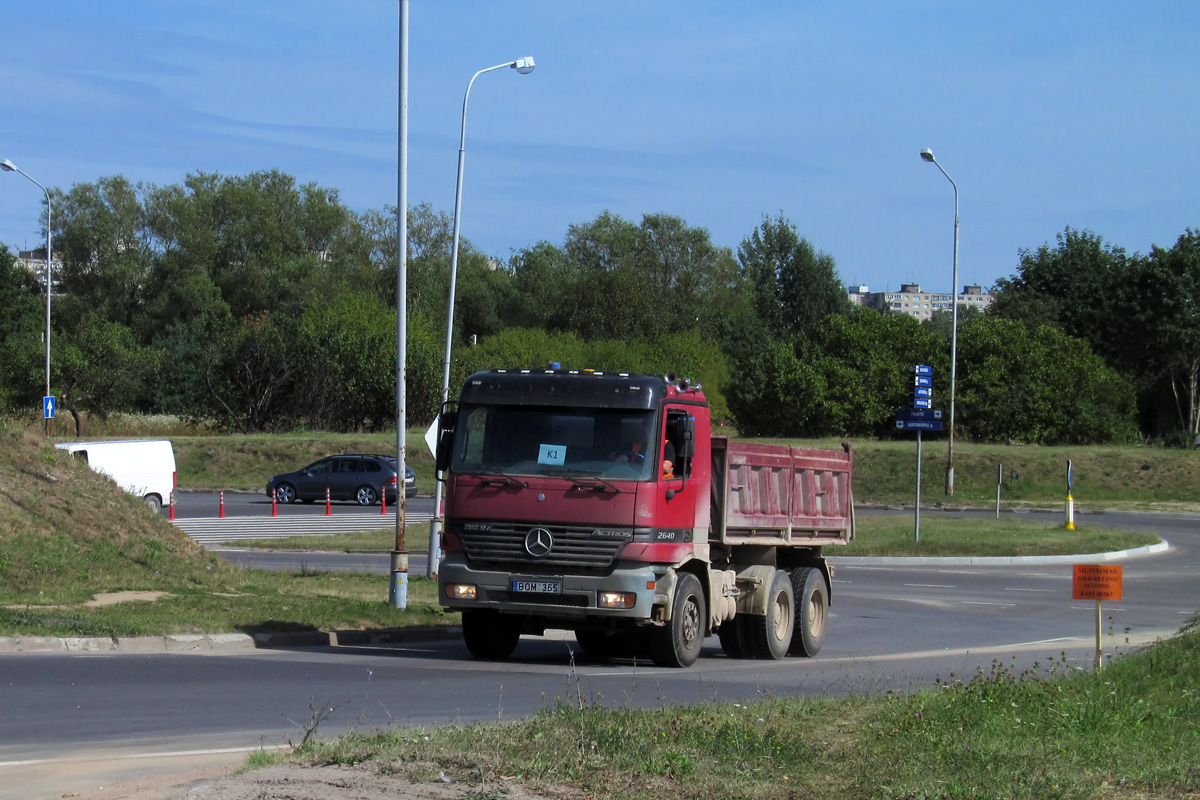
(617, 599)
(460, 591)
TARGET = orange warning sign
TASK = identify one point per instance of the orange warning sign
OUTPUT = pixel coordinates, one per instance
(1097, 582)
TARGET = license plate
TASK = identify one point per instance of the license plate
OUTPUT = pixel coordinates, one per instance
(535, 586)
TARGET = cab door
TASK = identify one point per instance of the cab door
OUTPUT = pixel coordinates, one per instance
(677, 485)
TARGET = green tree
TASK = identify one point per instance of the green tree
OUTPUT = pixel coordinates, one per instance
(864, 360)
(794, 287)
(347, 352)
(1168, 314)
(99, 367)
(1080, 285)
(1038, 385)
(613, 279)
(21, 327)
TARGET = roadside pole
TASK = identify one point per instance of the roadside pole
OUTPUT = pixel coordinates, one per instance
(1070, 500)
(917, 512)
(999, 482)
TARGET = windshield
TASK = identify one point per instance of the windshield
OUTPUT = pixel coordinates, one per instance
(616, 444)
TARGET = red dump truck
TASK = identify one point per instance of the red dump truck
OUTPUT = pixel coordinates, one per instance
(602, 504)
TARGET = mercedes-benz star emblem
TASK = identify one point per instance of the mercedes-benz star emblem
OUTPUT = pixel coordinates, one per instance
(538, 542)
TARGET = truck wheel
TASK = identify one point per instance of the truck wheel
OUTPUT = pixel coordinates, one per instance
(489, 635)
(812, 599)
(625, 642)
(732, 634)
(770, 635)
(154, 501)
(596, 643)
(677, 644)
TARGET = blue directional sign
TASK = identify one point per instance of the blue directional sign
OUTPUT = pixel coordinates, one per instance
(923, 391)
(918, 413)
(922, 402)
(919, 424)
(48, 404)
(923, 380)
(922, 369)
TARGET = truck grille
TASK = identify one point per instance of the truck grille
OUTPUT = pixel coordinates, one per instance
(573, 545)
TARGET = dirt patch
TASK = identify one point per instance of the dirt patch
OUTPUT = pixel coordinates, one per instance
(112, 598)
(369, 781)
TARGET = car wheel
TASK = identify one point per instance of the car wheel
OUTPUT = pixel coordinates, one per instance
(285, 493)
(366, 496)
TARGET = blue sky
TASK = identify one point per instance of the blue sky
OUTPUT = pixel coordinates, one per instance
(1047, 115)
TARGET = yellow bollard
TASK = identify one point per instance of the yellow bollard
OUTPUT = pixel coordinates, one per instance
(1070, 513)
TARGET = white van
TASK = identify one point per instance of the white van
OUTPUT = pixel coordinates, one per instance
(144, 468)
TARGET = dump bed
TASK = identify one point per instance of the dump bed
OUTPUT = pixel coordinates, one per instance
(776, 495)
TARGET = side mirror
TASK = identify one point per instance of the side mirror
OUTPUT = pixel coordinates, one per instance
(689, 437)
(447, 421)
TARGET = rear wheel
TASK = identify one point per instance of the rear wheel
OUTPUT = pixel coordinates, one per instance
(770, 635)
(366, 496)
(154, 501)
(812, 600)
(489, 635)
(677, 644)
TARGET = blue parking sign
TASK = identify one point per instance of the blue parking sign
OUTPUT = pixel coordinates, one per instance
(48, 406)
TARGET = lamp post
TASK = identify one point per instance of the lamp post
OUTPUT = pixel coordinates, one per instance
(398, 586)
(523, 66)
(8, 166)
(927, 155)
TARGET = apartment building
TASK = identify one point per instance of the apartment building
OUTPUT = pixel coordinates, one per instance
(916, 303)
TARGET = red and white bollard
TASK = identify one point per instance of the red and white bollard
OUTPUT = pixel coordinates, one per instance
(382, 500)
(274, 503)
(222, 504)
(171, 512)
(328, 508)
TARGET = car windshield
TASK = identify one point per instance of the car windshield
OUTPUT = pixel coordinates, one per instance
(615, 444)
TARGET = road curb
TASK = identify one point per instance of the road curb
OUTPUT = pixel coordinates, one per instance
(222, 643)
(1000, 561)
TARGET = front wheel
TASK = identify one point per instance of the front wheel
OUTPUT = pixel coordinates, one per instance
(285, 493)
(154, 501)
(812, 600)
(366, 496)
(677, 644)
(489, 635)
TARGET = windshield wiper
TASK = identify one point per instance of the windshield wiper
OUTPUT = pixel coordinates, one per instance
(596, 484)
(487, 479)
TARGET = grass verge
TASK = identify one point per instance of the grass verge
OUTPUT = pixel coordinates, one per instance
(1050, 732)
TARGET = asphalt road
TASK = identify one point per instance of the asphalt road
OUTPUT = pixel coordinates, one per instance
(893, 626)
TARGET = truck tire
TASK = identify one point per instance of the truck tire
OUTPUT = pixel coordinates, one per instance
(677, 644)
(770, 635)
(489, 635)
(629, 642)
(732, 634)
(812, 600)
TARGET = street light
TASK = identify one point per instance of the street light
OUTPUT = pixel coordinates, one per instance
(523, 66)
(927, 154)
(8, 166)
